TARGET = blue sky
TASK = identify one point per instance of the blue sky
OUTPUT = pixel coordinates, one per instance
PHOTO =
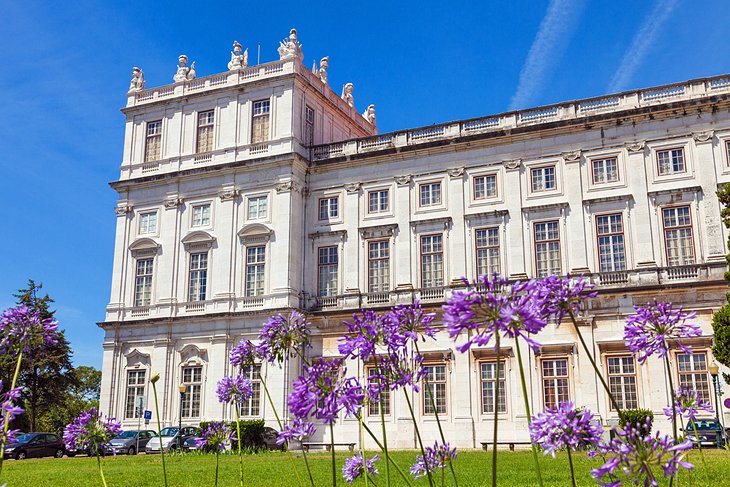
(64, 72)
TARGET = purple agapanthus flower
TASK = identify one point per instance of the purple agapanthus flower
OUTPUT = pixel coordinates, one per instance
(650, 330)
(365, 332)
(640, 459)
(299, 430)
(11, 410)
(491, 306)
(91, 430)
(353, 467)
(215, 436)
(283, 336)
(688, 402)
(322, 391)
(234, 389)
(22, 329)
(400, 367)
(565, 427)
(408, 322)
(437, 456)
(244, 354)
(562, 296)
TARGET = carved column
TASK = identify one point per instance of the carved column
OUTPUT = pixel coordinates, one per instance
(124, 212)
(224, 262)
(458, 247)
(403, 275)
(706, 150)
(575, 220)
(169, 264)
(637, 180)
(515, 243)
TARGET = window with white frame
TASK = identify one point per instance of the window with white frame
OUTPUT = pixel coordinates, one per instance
(378, 266)
(488, 380)
(543, 179)
(611, 249)
(329, 208)
(308, 125)
(727, 152)
(678, 238)
(429, 194)
(153, 141)
(432, 261)
(255, 268)
(378, 201)
(135, 394)
(375, 379)
(198, 282)
(327, 271)
(260, 121)
(201, 215)
(192, 379)
(147, 222)
(258, 207)
(487, 246)
(252, 406)
(693, 373)
(143, 282)
(485, 186)
(547, 248)
(622, 381)
(206, 121)
(605, 170)
(670, 161)
(435, 379)
(555, 377)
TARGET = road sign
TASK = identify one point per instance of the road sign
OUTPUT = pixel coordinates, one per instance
(146, 422)
(727, 403)
(147, 416)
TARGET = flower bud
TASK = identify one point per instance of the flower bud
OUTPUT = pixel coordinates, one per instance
(155, 377)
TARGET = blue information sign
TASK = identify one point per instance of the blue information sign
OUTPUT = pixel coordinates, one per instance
(147, 415)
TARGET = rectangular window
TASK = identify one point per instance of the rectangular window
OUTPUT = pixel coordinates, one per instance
(489, 381)
(487, 241)
(258, 207)
(430, 194)
(543, 179)
(252, 406)
(555, 382)
(435, 380)
(605, 170)
(201, 215)
(547, 248)
(327, 271)
(255, 267)
(308, 126)
(670, 161)
(727, 152)
(193, 381)
(205, 131)
(148, 222)
(432, 261)
(329, 208)
(374, 406)
(135, 394)
(153, 141)
(622, 381)
(378, 201)
(198, 276)
(611, 250)
(485, 186)
(678, 236)
(143, 283)
(260, 121)
(693, 373)
(378, 266)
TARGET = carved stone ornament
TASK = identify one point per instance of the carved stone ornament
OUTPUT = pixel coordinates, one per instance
(173, 203)
(123, 210)
(137, 82)
(229, 194)
(184, 73)
(290, 47)
(573, 156)
(352, 187)
(369, 114)
(286, 187)
(238, 60)
(512, 165)
(456, 172)
(636, 146)
(704, 136)
(403, 180)
(347, 94)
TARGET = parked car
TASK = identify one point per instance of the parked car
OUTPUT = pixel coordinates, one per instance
(32, 445)
(191, 444)
(707, 431)
(130, 442)
(268, 439)
(172, 438)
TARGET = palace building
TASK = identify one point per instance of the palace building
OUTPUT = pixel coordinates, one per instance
(262, 189)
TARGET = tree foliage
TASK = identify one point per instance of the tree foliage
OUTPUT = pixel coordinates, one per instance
(721, 319)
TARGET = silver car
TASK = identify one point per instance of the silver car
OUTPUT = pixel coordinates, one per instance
(130, 442)
(171, 439)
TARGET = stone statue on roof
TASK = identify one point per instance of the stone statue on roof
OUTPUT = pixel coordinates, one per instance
(369, 114)
(347, 94)
(238, 60)
(184, 73)
(137, 82)
(290, 47)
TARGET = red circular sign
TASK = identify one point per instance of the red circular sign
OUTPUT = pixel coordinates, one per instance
(727, 403)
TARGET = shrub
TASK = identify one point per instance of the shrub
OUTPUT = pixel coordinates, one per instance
(251, 432)
(636, 417)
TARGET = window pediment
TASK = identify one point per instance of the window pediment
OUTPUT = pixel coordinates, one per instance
(198, 240)
(135, 358)
(144, 247)
(255, 233)
(192, 355)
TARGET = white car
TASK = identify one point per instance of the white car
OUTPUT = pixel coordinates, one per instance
(171, 439)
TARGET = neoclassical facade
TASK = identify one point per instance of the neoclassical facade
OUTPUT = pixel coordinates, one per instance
(261, 190)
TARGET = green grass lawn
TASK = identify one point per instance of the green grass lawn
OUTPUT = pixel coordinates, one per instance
(193, 470)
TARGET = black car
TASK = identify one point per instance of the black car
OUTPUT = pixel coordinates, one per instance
(707, 433)
(30, 445)
(268, 439)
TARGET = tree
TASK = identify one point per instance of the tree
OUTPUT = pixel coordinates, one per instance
(721, 319)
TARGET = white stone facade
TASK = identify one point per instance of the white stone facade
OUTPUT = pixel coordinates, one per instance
(353, 219)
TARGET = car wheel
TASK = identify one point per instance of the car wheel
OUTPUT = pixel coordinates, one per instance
(131, 451)
(58, 454)
(21, 455)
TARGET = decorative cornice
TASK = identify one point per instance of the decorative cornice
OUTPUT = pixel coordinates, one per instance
(123, 210)
(513, 164)
(334, 233)
(255, 233)
(573, 156)
(198, 240)
(637, 146)
(608, 199)
(485, 214)
(456, 172)
(551, 206)
(705, 136)
(445, 221)
(173, 203)
(287, 187)
(229, 194)
(377, 231)
(662, 192)
(352, 187)
(403, 180)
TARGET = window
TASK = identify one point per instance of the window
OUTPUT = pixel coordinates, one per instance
(435, 380)
(432, 261)
(143, 283)
(201, 215)
(378, 201)
(485, 186)
(727, 151)
(329, 208)
(205, 131)
(543, 179)
(678, 236)
(693, 373)
(487, 240)
(255, 266)
(258, 207)
(430, 194)
(670, 161)
(198, 276)
(153, 141)
(308, 126)
(148, 222)
(374, 406)
(135, 394)
(327, 271)
(547, 248)
(622, 381)
(605, 170)
(260, 121)
(252, 406)
(554, 382)
(489, 381)
(611, 251)
(192, 379)
(378, 266)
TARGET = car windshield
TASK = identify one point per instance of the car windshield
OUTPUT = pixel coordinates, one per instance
(128, 434)
(24, 438)
(169, 432)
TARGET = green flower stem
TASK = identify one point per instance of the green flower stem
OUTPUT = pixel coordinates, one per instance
(672, 398)
(332, 451)
(572, 471)
(496, 415)
(159, 431)
(380, 445)
(306, 463)
(216, 466)
(382, 421)
(527, 408)
(240, 452)
(418, 435)
(7, 413)
(699, 445)
(362, 451)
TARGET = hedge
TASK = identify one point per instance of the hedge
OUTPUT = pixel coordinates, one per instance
(252, 431)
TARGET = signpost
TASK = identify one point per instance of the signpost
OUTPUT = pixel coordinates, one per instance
(147, 417)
